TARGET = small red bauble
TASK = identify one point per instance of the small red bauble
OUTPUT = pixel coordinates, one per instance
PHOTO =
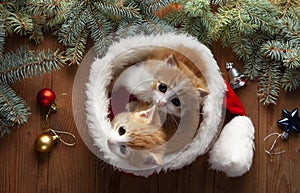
(46, 97)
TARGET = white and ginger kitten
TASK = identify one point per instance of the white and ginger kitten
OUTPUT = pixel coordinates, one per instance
(145, 135)
(167, 83)
(139, 137)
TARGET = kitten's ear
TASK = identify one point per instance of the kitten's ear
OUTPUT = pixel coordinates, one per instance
(147, 114)
(153, 159)
(202, 92)
(172, 60)
(150, 115)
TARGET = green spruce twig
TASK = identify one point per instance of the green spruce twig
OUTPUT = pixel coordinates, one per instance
(25, 63)
(194, 18)
(2, 36)
(268, 84)
(13, 109)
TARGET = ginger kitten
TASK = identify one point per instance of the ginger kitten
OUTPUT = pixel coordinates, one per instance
(144, 136)
(139, 137)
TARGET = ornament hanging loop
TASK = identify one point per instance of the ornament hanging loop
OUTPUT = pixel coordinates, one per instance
(56, 132)
(270, 151)
(53, 108)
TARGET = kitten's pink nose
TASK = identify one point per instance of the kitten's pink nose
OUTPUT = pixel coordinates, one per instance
(161, 102)
(111, 141)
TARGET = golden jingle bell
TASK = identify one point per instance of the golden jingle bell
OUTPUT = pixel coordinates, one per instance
(45, 142)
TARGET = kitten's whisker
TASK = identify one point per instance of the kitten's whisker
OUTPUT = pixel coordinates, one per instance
(174, 120)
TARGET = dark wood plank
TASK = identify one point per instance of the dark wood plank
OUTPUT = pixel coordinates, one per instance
(78, 169)
(21, 162)
(70, 168)
(282, 170)
(201, 178)
(248, 97)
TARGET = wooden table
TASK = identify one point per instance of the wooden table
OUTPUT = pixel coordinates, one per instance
(77, 170)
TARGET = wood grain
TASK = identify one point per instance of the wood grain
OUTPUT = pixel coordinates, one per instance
(77, 169)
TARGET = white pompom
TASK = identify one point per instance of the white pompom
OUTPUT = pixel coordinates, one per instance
(233, 151)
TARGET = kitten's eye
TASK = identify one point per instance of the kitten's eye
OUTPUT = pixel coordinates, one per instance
(123, 149)
(176, 102)
(122, 130)
(162, 87)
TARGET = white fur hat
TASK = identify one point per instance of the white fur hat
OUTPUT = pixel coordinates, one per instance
(129, 51)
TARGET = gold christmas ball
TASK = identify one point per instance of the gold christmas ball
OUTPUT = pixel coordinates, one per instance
(44, 143)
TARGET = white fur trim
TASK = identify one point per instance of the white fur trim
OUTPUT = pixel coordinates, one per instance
(233, 151)
(130, 50)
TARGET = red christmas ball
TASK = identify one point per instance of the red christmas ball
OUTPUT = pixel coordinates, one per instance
(46, 97)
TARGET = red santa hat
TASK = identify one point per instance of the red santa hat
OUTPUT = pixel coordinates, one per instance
(232, 102)
(233, 151)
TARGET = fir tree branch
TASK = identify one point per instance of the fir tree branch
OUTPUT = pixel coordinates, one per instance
(117, 10)
(169, 9)
(2, 37)
(264, 15)
(19, 3)
(3, 129)
(54, 22)
(176, 18)
(286, 5)
(74, 24)
(288, 53)
(50, 14)
(103, 20)
(100, 28)
(194, 17)
(6, 9)
(240, 45)
(13, 109)
(20, 23)
(128, 28)
(253, 64)
(24, 63)
(36, 33)
(291, 30)
(218, 2)
(222, 24)
(74, 54)
(44, 7)
(96, 25)
(150, 7)
(291, 79)
(150, 23)
(152, 26)
(268, 84)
